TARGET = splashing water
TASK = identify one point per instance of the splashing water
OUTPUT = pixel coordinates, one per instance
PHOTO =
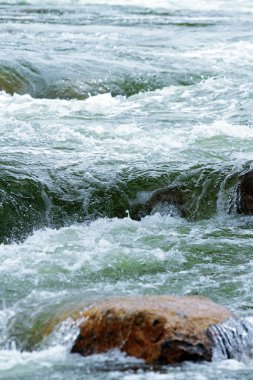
(233, 339)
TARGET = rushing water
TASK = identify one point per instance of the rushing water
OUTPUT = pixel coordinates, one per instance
(102, 103)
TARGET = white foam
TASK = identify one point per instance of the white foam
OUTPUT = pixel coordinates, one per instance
(174, 374)
(10, 359)
(229, 53)
(249, 319)
(222, 128)
(67, 124)
(70, 251)
(97, 123)
(196, 5)
(18, 104)
(102, 104)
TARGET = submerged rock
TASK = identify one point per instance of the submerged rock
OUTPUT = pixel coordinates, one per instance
(200, 199)
(168, 196)
(158, 329)
(245, 194)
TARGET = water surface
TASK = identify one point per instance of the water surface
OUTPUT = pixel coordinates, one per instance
(101, 104)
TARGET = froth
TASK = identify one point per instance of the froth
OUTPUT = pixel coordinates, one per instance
(174, 4)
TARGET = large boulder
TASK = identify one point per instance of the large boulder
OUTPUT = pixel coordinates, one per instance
(159, 329)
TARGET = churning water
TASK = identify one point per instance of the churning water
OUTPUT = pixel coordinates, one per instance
(101, 104)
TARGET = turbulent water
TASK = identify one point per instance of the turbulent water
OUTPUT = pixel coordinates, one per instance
(102, 103)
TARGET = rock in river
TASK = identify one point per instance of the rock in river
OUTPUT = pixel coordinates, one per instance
(159, 329)
(245, 193)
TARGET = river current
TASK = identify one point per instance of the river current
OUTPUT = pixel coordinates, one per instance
(101, 104)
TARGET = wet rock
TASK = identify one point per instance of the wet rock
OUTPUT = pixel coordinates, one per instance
(158, 329)
(169, 196)
(167, 200)
(244, 201)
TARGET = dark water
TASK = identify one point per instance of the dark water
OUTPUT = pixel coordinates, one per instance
(101, 104)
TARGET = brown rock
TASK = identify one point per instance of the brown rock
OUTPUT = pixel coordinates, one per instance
(158, 329)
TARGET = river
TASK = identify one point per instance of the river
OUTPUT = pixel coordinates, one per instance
(101, 104)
